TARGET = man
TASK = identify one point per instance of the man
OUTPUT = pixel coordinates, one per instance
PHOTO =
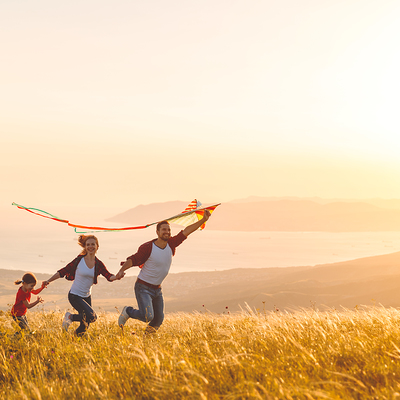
(154, 258)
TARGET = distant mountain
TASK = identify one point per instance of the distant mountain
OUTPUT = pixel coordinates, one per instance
(279, 215)
(257, 199)
(391, 204)
(145, 214)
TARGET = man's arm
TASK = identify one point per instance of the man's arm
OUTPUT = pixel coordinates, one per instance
(127, 264)
(137, 259)
(191, 228)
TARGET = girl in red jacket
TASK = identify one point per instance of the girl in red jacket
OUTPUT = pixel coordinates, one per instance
(22, 301)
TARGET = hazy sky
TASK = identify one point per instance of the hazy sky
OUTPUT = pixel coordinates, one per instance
(118, 103)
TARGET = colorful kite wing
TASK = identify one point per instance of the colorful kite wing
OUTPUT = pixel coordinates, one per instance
(192, 213)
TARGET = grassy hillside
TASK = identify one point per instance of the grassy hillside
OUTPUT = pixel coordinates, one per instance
(365, 281)
(304, 355)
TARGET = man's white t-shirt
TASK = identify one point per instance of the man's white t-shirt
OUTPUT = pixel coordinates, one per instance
(83, 282)
(157, 266)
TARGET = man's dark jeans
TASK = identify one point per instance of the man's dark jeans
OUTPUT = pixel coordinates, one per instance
(151, 305)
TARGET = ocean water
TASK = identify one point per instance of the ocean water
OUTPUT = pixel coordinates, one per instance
(34, 244)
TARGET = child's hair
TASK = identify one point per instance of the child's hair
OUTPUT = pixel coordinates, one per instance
(82, 242)
(27, 278)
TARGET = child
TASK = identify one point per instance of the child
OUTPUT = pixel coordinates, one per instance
(22, 303)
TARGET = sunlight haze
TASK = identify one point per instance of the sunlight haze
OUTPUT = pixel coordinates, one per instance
(122, 103)
(281, 117)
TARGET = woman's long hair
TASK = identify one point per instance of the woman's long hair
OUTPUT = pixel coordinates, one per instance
(82, 242)
(27, 278)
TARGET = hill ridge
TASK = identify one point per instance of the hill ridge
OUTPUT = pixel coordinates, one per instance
(280, 215)
(368, 280)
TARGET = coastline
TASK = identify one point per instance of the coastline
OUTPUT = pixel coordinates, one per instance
(47, 251)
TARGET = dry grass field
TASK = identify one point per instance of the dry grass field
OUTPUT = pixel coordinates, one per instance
(307, 354)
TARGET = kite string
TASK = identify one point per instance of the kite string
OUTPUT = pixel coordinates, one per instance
(48, 215)
(87, 229)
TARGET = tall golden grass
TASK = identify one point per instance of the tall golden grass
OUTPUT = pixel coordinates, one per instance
(347, 354)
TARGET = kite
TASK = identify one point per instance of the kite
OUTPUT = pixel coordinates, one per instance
(191, 214)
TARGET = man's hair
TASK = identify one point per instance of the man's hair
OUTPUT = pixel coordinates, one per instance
(161, 223)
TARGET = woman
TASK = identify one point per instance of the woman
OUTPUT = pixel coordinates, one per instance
(83, 270)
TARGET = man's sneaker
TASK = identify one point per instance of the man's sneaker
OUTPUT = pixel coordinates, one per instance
(123, 317)
(66, 321)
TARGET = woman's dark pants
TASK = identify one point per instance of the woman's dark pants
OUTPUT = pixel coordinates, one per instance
(86, 313)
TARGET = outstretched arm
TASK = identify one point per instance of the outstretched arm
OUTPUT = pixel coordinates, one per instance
(137, 259)
(37, 291)
(30, 305)
(191, 228)
(126, 265)
(53, 278)
(114, 278)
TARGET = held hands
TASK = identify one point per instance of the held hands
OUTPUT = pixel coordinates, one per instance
(120, 275)
(117, 277)
(44, 284)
